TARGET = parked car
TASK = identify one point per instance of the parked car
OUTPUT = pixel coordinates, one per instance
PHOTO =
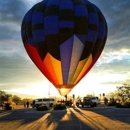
(88, 101)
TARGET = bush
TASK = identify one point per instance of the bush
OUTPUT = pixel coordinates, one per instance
(119, 105)
(9, 106)
(42, 108)
(123, 105)
(112, 103)
(59, 106)
(126, 104)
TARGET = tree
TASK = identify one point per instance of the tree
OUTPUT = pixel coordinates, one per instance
(124, 92)
(26, 100)
(2, 96)
(16, 99)
(7, 97)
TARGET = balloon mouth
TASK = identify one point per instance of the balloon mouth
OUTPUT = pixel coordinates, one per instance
(64, 89)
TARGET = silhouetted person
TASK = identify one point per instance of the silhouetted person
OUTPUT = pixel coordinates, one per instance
(27, 104)
(105, 101)
(24, 104)
(33, 103)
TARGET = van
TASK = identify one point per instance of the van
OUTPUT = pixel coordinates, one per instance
(46, 101)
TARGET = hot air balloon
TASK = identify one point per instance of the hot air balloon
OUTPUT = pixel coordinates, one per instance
(64, 39)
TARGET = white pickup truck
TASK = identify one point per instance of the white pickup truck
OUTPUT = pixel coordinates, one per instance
(88, 101)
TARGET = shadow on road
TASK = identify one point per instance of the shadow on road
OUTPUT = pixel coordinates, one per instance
(70, 119)
(66, 120)
(88, 120)
(117, 114)
(23, 116)
(35, 120)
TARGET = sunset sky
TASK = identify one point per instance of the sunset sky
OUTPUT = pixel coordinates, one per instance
(19, 75)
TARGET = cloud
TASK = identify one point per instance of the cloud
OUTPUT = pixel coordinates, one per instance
(117, 16)
(16, 68)
(11, 15)
(12, 11)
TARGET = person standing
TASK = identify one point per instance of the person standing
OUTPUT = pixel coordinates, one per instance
(24, 105)
(105, 101)
(27, 104)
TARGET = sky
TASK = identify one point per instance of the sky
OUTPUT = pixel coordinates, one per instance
(19, 75)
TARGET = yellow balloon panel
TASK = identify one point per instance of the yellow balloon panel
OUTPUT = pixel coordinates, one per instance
(78, 70)
(86, 66)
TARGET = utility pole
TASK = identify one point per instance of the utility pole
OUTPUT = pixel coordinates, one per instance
(49, 96)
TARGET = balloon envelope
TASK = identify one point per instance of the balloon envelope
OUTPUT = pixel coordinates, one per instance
(64, 38)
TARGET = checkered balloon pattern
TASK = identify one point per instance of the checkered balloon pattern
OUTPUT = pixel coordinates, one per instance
(64, 39)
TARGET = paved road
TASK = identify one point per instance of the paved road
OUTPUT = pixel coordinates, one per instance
(98, 118)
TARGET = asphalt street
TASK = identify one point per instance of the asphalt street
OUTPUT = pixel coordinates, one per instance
(98, 118)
